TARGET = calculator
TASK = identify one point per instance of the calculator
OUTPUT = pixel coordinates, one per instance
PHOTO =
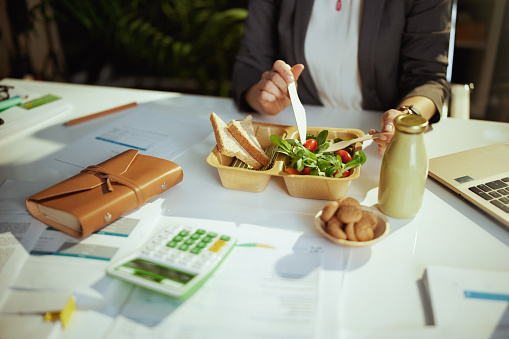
(176, 261)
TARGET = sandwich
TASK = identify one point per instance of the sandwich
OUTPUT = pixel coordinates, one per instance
(237, 139)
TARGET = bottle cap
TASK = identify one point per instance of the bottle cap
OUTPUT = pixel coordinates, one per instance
(410, 123)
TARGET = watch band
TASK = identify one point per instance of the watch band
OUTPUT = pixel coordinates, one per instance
(409, 110)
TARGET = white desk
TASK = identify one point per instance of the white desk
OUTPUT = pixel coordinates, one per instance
(381, 282)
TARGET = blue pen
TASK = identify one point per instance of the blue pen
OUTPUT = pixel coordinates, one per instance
(8, 103)
(486, 295)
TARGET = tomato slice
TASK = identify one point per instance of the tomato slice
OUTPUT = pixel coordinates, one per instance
(306, 170)
(291, 170)
(345, 156)
(311, 144)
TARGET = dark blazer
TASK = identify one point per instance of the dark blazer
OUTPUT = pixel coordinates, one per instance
(403, 48)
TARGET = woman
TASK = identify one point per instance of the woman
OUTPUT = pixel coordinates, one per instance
(370, 54)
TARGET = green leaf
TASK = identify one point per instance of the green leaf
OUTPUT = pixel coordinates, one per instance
(293, 142)
(358, 160)
(322, 137)
(314, 171)
(329, 172)
(299, 166)
(284, 146)
(323, 147)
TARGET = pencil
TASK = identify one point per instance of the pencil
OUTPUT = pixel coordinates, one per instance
(255, 245)
(100, 114)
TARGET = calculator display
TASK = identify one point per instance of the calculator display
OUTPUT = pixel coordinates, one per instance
(152, 271)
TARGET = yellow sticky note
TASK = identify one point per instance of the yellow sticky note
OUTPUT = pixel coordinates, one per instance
(64, 315)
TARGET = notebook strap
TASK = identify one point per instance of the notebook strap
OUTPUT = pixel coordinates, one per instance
(108, 177)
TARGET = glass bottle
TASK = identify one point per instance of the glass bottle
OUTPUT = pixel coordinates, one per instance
(404, 168)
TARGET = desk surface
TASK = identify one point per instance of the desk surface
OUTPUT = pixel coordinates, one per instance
(380, 283)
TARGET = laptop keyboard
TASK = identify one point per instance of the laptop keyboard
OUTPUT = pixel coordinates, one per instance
(496, 192)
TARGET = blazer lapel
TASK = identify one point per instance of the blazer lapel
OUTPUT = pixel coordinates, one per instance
(370, 24)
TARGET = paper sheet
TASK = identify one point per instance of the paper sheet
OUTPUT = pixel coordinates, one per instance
(253, 295)
(20, 301)
(27, 327)
(23, 226)
(469, 297)
(12, 258)
(152, 129)
(13, 194)
(59, 261)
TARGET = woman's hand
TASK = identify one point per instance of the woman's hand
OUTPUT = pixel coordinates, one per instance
(424, 105)
(387, 130)
(270, 95)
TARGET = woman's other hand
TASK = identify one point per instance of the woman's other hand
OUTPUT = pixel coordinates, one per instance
(387, 130)
(270, 95)
(424, 105)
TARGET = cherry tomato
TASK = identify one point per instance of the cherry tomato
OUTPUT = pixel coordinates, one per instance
(345, 156)
(306, 170)
(346, 173)
(290, 170)
(310, 144)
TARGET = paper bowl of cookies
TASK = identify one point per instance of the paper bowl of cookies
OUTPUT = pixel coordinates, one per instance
(242, 166)
(348, 223)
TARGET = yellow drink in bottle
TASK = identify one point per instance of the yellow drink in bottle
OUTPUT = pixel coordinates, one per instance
(404, 169)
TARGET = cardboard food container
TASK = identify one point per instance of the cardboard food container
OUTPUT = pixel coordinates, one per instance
(300, 186)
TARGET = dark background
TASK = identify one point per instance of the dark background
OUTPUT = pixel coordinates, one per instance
(173, 45)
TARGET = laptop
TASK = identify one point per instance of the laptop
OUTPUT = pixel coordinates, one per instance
(480, 175)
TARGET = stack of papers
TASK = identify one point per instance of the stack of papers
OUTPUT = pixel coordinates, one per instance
(34, 110)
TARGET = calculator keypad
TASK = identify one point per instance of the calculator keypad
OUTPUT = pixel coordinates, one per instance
(189, 248)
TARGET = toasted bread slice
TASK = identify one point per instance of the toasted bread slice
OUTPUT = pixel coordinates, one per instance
(243, 132)
(228, 145)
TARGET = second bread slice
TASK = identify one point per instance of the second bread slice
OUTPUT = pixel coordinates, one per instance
(244, 133)
(228, 145)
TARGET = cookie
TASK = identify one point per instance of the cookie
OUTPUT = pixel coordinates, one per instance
(350, 232)
(363, 231)
(348, 201)
(368, 219)
(334, 228)
(348, 214)
(329, 210)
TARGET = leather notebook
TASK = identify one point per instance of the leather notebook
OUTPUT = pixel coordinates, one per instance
(100, 194)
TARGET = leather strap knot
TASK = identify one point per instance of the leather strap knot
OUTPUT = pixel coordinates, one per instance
(108, 177)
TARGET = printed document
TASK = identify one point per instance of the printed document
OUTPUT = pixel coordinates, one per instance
(252, 295)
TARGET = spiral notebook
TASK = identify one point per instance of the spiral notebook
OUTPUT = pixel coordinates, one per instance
(479, 175)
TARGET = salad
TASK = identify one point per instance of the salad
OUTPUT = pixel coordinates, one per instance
(309, 159)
